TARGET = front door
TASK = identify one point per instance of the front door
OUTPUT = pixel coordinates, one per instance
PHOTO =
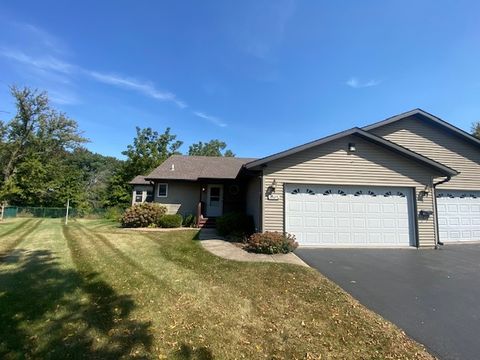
(215, 200)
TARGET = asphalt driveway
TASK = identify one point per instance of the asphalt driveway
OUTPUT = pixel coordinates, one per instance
(434, 295)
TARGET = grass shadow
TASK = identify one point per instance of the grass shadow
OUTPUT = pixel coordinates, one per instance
(187, 352)
(47, 311)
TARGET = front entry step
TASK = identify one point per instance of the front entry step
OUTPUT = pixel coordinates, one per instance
(207, 223)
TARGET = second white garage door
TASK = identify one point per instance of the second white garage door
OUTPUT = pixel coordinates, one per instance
(458, 215)
(349, 216)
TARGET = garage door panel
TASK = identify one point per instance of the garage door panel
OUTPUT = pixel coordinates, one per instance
(312, 237)
(295, 205)
(359, 223)
(464, 208)
(454, 221)
(374, 224)
(311, 221)
(358, 208)
(375, 238)
(388, 208)
(328, 222)
(452, 208)
(344, 238)
(350, 215)
(374, 208)
(311, 206)
(343, 222)
(295, 221)
(327, 207)
(342, 208)
(389, 223)
(458, 215)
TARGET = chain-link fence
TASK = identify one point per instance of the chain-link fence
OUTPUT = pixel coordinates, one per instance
(51, 212)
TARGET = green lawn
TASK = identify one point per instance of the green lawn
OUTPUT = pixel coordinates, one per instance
(92, 290)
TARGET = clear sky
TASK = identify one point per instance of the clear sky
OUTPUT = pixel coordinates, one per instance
(261, 75)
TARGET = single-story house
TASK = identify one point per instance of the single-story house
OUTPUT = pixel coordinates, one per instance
(410, 180)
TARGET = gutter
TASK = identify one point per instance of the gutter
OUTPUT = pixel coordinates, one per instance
(434, 194)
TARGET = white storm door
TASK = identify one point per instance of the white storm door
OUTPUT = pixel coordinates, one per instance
(214, 200)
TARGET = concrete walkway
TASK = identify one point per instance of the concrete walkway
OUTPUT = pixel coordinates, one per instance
(217, 246)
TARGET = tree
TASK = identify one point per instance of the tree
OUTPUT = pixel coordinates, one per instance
(94, 173)
(33, 145)
(149, 149)
(212, 148)
(476, 129)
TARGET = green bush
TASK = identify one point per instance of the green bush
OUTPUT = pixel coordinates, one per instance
(235, 224)
(189, 221)
(142, 215)
(271, 243)
(113, 213)
(170, 221)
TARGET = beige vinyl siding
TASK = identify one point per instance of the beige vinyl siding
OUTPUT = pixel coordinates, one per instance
(440, 145)
(252, 203)
(183, 197)
(331, 164)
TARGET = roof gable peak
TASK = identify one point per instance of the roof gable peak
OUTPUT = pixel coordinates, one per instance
(426, 116)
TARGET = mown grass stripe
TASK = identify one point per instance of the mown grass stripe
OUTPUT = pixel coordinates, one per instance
(16, 227)
(126, 259)
(79, 236)
(20, 239)
(77, 251)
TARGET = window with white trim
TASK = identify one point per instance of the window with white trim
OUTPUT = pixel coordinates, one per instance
(162, 190)
(138, 196)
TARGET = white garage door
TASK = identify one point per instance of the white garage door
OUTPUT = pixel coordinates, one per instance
(350, 216)
(458, 215)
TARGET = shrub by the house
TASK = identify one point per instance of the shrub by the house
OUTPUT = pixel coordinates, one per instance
(170, 221)
(271, 242)
(189, 220)
(237, 224)
(142, 215)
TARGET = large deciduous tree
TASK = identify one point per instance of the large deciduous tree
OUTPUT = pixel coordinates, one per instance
(32, 147)
(214, 147)
(149, 149)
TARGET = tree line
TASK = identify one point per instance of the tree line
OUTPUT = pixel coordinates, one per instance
(44, 160)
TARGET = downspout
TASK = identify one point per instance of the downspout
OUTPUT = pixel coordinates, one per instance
(434, 194)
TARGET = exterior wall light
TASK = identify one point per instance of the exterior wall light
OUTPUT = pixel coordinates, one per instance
(274, 184)
(352, 147)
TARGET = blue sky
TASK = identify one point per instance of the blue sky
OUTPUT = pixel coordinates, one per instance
(261, 75)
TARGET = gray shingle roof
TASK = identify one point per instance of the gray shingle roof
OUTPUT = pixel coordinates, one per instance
(139, 180)
(183, 167)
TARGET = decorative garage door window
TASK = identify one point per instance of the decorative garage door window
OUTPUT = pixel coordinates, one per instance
(460, 195)
(345, 192)
(348, 215)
